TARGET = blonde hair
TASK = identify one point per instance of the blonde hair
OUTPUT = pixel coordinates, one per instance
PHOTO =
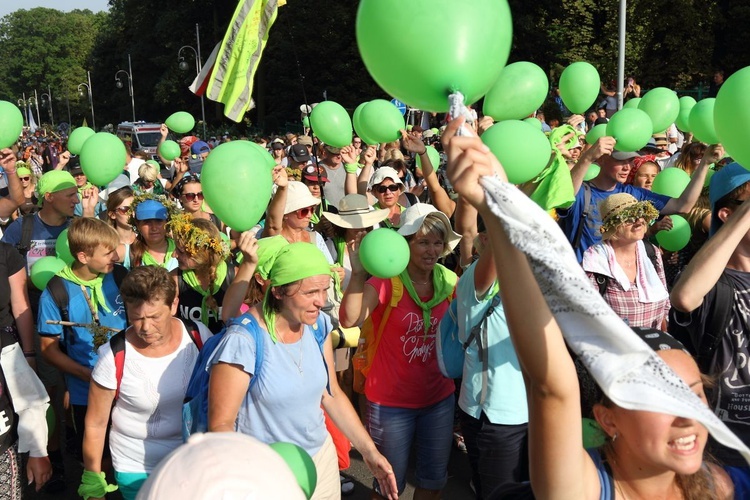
(434, 225)
(85, 234)
(148, 172)
(206, 256)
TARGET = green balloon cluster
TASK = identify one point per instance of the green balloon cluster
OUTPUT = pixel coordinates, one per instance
(43, 269)
(102, 158)
(468, 56)
(381, 121)
(579, 86)
(632, 103)
(671, 182)
(359, 129)
(519, 91)
(683, 117)
(523, 151)
(62, 248)
(331, 123)
(301, 465)
(434, 157)
(181, 122)
(77, 138)
(732, 116)
(676, 238)
(702, 121)
(384, 253)
(169, 150)
(631, 128)
(662, 106)
(239, 204)
(596, 132)
(11, 124)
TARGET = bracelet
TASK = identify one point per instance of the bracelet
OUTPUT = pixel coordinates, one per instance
(423, 152)
(9, 172)
(29, 354)
(351, 168)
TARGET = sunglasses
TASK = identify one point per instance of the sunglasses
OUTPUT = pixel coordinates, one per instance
(383, 189)
(25, 178)
(122, 210)
(304, 212)
(193, 196)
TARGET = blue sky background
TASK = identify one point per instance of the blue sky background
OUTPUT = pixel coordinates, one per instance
(8, 6)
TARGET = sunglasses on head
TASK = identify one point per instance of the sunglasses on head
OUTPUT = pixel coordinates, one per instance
(193, 196)
(122, 210)
(382, 189)
(304, 212)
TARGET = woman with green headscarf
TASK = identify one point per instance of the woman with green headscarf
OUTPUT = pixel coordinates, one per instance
(279, 399)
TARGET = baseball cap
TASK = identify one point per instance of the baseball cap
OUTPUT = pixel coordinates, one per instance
(413, 217)
(299, 153)
(199, 147)
(311, 173)
(621, 155)
(76, 170)
(305, 140)
(120, 182)
(150, 209)
(332, 149)
(384, 173)
(722, 183)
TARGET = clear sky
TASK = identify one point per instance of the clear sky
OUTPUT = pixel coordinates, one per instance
(8, 6)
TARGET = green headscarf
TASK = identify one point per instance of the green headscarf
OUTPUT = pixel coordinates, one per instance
(294, 262)
(23, 171)
(54, 181)
(268, 250)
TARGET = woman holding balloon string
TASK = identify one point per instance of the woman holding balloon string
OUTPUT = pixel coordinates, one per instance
(408, 399)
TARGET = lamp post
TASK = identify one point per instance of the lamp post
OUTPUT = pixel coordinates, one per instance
(91, 97)
(118, 83)
(183, 65)
(48, 99)
(22, 103)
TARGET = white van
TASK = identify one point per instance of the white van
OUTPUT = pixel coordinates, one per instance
(141, 136)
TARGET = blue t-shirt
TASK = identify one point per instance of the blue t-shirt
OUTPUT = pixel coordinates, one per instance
(43, 238)
(283, 404)
(591, 235)
(505, 402)
(80, 346)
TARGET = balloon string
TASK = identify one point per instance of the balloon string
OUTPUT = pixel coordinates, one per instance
(458, 108)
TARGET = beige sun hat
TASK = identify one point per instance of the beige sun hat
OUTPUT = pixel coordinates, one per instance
(413, 217)
(298, 196)
(619, 207)
(356, 213)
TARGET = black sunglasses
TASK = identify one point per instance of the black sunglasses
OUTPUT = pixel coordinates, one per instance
(383, 189)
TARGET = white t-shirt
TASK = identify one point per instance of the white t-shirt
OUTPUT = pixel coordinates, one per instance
(147, 418)
(133, 167)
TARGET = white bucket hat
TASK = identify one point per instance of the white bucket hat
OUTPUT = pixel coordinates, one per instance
(413, 217)
(298, 196)
(119, 182)
(384, 173)
(356, 213)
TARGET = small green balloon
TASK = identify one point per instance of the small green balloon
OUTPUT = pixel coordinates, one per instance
(169, 150)
(43, 269)
(683, 117)
(592, 172)
(596, 132)
(77, 138)
(306, 122)
(381, 121)
(62, 248)
(732, 117)
(384, 253)
(11, 124)
(631, 128)
(661, 105)
(534, 122)
(670, 182)
(102, 158)
(433, 155)
(632, 103)
(300, 463)
(357, 123)
(181, 122)
(331, 123)
(579, 86)
(702, 121)
(519, 91)
(676, 238)
(523, 151)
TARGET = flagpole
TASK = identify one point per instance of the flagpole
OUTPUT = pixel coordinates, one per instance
(200, 68)
(36, 103)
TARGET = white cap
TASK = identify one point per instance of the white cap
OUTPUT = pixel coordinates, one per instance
(120, 182)
(413, 217)
(384, 173)
(298, 196)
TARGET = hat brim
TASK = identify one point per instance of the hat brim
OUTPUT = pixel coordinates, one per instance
(357, 221)
(300, 202)
(413, 226)
(314, 178)
(622, 155)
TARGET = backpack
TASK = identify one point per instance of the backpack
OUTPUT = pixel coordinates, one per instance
(27, 227)
(602, 281)
(195, 405)
(585, 214)
(370, 335)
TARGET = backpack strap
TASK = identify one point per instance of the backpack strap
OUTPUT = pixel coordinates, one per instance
(602, 282)
(651, 252)
(193, 332)
(59, 294)
(118, 273)
(585, 214)
(397, 291)
(117, 344)
(27, 227)
(720, 316)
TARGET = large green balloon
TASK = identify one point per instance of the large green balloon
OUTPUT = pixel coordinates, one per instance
(468, 56)
(671, 182)
(661, 105)
(434, 157)
(676, 238)
(534, 122)
(77, 138)
(381, 121)
(523, 151)
(732, 116)
(181, 122)
(239, 203)
(169, 150)
(331, 123)
(11, 124)
(62, 248)
(632, 103)
(579, 86)
(519, 91)
(102, 158)
(384, 253)
(631, 128)
(702, 121)
(592, 172)
(596, 132)
(683, 117)
(301, 464)
(43, 269)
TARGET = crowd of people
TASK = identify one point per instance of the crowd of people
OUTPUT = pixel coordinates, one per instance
(301, 345)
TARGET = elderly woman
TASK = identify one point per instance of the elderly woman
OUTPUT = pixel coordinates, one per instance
(151, 247)
(629, 275)
(190, 195)
(148, 179)
(408, 400)
(280, 400)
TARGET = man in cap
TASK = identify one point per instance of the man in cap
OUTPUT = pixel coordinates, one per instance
(299, 158)
(335, 172)
(199, 151)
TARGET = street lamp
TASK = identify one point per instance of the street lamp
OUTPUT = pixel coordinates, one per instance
(118, 83)
(91, 97)
(22, 103)
(47, 98)
(183, 65)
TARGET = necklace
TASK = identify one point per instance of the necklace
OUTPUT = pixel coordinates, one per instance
(419, 283)
(286, 348)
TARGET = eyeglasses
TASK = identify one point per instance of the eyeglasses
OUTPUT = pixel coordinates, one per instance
(25, 178)
(193, 196)
(382, 189)
(122, 210)
(304, 212)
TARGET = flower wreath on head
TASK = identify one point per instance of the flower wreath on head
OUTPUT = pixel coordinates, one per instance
(172, 208)
(642, 209)
(194, 238)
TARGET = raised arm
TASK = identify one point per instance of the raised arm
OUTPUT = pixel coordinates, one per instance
(439, 196)
(690, 195)
(359, 299)
(603, 146)
(9, 204)
(369, 156)
(235, 294)
(276, 207)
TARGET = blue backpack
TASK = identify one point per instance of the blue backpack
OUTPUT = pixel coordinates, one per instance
(195, 405)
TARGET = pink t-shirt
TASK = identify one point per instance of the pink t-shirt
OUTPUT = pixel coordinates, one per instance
(405, 372)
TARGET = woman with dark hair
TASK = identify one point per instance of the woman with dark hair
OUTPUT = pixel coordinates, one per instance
(190, 195)
(118, 213)
(691, 157)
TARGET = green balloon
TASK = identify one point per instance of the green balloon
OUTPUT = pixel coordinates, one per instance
(683, 117)
(670, 182)
(702, 121)
(300, 463)
(592, 172)
(534, 122)
(77, 138)
(732, 117)
(676, 238)
(632, 103)
(181, 122)
(661, 105)
(62, 248)
(306, 122)
(523, 151)
(240, 203)
(11, 124)
(631, 128)
(381, 121)
(519, 91)
(102, 158)
(357, 122)
(579, 86)
(331, 123)
(43, 269)
(433, 155)
(169, 150)
(384, 253)
(596, 132)
(468, 56)
(593, 435)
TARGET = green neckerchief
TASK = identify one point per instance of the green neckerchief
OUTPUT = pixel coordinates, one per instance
(192, 281)
(318, 212)
(97, 294)
(86, 186)
(148, 259)
(387, 220)
(443, 281)
(340, 245)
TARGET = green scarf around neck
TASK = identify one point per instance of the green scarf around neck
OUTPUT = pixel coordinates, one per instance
(192, 281)
(148, 259)
(443, 281)
(97, 293)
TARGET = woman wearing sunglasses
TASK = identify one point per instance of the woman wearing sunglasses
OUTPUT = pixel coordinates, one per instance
(118, 212)
(386, 188)
(28, 182)
(188, 191)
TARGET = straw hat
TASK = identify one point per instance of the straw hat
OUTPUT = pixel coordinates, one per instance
(356, 213)
(620, 207)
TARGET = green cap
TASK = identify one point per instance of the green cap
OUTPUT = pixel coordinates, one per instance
(54, 181)
(23, 172)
